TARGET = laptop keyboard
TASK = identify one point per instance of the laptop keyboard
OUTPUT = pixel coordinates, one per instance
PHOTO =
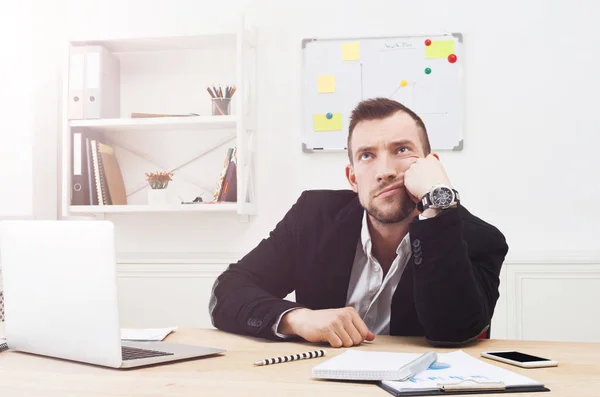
(134, 353)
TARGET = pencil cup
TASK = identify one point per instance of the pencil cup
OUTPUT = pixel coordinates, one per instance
(221, 106)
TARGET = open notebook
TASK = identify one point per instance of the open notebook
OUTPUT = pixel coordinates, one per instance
(454, 372)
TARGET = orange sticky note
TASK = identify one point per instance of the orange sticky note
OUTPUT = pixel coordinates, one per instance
(326, 83)
(351, 51)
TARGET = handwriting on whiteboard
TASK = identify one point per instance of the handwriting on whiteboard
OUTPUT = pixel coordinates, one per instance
(397, 45)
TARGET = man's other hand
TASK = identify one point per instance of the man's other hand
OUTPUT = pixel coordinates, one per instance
(339, 327)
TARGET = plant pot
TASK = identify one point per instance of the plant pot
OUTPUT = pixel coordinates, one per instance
(158, 197)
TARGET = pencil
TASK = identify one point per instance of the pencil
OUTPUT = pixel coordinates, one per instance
(291, 357)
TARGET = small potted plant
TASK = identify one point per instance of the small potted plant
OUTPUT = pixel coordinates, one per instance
(158, 181)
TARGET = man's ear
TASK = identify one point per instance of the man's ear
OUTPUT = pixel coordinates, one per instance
(351, 176)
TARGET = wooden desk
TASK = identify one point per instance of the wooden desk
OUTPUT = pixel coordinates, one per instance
(233, 374)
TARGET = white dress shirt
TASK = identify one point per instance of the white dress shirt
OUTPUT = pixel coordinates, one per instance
(368, 291)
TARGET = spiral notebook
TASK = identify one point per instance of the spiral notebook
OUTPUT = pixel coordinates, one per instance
(99, 179)
(373, 366)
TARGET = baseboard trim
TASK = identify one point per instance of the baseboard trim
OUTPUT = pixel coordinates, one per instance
(178, 257)
(174, 265)
(169, 271)
(211, 264)
(551, 258)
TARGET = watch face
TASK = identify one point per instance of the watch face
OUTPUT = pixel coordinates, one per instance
(442, 197)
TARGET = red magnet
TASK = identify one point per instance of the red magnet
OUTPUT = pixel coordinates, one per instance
(451, 58)
(428, 42)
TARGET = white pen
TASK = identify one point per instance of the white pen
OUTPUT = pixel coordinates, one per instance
(291, 357)
(421, 363)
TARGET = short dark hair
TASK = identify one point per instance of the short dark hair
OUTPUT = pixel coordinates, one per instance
(380, 108)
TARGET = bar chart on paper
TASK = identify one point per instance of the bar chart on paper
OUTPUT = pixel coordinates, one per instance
(423, 73)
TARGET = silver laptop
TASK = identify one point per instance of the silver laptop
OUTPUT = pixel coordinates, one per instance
(61, 298)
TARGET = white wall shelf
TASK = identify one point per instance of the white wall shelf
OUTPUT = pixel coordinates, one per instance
(182, 42)
(157, 123)
(169, 75)
(120, 209)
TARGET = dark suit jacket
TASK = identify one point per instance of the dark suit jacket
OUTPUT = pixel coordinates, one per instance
(447, 292)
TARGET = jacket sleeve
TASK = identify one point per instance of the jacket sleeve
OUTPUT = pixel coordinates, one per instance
(456, 285)
(247, 298)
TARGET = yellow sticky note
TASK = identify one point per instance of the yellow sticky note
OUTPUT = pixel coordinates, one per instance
(350, 51)
(326, 83)
(439, 49)
(322, 123)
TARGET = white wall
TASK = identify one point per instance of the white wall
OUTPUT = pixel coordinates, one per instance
(29, 82)
(531, 122)
(529, 162)
(16, 128)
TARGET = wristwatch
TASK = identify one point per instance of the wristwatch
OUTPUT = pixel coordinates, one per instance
(439, 197)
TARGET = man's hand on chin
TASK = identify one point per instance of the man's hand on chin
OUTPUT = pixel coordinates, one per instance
(339, 327)
(422, 176)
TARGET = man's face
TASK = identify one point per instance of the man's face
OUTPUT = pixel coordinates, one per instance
(382, 150)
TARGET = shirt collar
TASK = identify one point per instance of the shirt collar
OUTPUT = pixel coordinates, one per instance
(365, 238)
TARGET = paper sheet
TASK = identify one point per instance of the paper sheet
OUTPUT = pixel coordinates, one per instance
(326, 83)
(322, 123)
(350, 51)
(439, 49)
(146, 334)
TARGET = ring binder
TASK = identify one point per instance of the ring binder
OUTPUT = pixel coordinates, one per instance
(463, 374)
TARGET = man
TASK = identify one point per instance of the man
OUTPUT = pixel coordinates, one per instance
(398, 255)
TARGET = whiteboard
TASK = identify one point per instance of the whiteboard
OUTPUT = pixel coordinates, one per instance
(421, 72)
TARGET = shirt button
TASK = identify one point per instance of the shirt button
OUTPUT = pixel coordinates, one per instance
(377, 269)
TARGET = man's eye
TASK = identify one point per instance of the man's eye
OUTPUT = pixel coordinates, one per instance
(365, 156)
(403, 149)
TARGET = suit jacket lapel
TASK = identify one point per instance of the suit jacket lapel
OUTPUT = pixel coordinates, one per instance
(336, 255)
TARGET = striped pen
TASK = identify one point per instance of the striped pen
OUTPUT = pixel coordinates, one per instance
(291, 357)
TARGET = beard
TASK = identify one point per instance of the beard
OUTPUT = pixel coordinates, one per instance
(391, 209)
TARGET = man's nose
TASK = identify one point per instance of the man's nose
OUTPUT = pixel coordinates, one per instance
(386, 170)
